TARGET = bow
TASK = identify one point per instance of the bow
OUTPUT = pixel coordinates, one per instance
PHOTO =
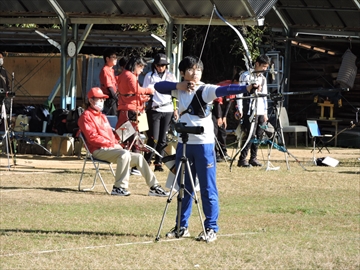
(250, 68)
(247, 56)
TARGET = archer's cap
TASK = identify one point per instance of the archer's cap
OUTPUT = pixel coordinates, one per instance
(160, 59)
(96, 92)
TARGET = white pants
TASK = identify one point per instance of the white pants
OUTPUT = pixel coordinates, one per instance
(125, 160)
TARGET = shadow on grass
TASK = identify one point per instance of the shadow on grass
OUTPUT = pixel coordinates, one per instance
(90, 233)
(43, 188)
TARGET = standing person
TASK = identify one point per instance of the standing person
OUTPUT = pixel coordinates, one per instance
(103, 145)
(194, 100)
(108, 82)
(220, 111)
(4, 82)
(132, 97)
(160, 109)
(245, 111)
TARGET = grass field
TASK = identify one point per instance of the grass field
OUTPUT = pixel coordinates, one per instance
(284, 219)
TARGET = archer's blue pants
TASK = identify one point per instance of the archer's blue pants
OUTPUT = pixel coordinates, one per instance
(203, 165)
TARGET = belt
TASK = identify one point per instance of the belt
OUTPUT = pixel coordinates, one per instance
(127, 95)
(162, 105)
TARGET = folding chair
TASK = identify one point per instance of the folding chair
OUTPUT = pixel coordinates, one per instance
(315, 135)
(287, 128)
(96, 163)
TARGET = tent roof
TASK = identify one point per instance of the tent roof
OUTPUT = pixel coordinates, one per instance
(335, 23)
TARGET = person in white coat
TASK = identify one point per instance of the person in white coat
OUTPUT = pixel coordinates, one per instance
(160, 109)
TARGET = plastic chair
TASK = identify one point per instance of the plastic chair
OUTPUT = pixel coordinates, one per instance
(316, 136)
(287, 128)
(112, 120)
(96, 163)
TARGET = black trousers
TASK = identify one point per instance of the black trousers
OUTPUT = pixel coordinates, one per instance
(110, 106)
(220, 134)
(158, 127)
(257, 133)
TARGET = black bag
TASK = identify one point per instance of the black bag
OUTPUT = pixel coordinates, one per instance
(59, 121)
(72, 120)
(38, 116)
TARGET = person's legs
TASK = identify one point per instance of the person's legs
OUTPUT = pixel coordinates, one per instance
(162, 132)
(150, 134)
(137, 160)
(205, 165)
(221, 136)
(242, 159)
(121, 158)
(255, 146)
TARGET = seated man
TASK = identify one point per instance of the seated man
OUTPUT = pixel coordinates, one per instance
(103, 145)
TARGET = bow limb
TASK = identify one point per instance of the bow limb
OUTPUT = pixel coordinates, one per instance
(252, 126)
(247, 55)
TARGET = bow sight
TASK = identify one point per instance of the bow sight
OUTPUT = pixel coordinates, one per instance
(4, 94)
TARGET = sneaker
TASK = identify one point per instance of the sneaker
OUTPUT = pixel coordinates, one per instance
(219, 159)
(135, 171)
(254, 162)
(158, 191)
(183, 232)
(227, 157)
(158, 168)
(243, 163)
(118, 191)
(210, 235)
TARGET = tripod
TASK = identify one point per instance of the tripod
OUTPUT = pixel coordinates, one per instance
(184, 165)
(279, 136)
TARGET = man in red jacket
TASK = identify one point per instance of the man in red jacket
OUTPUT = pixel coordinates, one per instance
(103, 145)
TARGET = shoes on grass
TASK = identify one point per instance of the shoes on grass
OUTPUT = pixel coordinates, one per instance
(118, 191)
(158, 168)
(183, 232)
(210, 235)
(254, 162)
(135, 171)
(158, 191)
(243, 163)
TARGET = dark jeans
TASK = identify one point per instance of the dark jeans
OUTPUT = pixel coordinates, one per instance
(158, 128)
(220, 134)
(257, 133)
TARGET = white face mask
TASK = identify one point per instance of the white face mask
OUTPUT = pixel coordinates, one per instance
(99, 105)
(1, 61)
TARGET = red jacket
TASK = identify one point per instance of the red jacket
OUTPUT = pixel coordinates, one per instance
(107, 79)
(96, 129)
(131, 95)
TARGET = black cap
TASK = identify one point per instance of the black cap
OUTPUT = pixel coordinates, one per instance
(160, 59)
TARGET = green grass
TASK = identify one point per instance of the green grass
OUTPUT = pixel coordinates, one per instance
(285, 219)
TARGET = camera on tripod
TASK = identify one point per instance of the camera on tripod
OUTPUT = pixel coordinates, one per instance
(4, 93)
(181, 128)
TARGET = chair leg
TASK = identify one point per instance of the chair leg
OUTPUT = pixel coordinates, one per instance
(82, 174)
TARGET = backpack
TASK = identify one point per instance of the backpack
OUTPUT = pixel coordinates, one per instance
(72, 120)
(38, 116)
(59, 121)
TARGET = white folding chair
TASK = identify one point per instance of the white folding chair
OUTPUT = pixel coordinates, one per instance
(287, 128)
(96, 163)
